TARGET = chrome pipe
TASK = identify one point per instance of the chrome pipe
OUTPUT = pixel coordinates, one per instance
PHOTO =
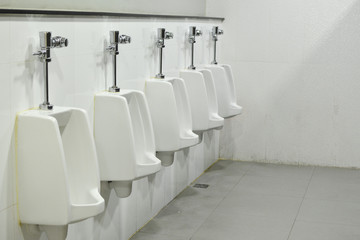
(160, 43)
(192, 58)
(160, 74)
(114, 87)
(46, 86)
(214, 61)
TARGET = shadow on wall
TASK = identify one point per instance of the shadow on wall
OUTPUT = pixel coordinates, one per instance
(308, 112)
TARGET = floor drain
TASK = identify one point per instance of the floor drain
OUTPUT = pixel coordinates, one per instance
(199, 185)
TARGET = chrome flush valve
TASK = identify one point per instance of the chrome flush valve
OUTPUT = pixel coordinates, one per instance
(46, 43)
(162, 35)
(215, 32)
(160, 43)
(193, 32)
(115, 40)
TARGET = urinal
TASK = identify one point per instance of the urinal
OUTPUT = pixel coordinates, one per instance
(123, 132)
(203, 100)
(170, 110)
(171, 117)
(224, 83)
(225, 90)
(124, 139)
(57, 169)
(201, 90)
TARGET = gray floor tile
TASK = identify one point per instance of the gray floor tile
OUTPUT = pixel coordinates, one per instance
(282, 209)
(277, 186)
(150, 236)
(219, 184)
(324, 231)
(182, 225)
(333, 190)
(228, 167)
(193, 202)
(277, 170)
(335, 184)
(242, 227)
(330, 212)
(337, 174)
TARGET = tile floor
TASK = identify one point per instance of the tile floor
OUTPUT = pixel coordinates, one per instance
(253, 201)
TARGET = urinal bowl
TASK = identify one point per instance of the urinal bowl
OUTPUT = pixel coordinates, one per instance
(54, 187)
(171, 117)
(203, 100)
(124, 139)
(225, 90)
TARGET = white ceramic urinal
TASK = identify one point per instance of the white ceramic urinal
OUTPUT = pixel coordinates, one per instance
(203, 100)
(124, 139)
(58, 175)
(171, 117)
(225, 90)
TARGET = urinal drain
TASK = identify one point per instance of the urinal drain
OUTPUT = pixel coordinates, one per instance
(200, 185)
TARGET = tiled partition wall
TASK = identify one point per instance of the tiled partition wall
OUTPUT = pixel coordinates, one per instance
(76, 73)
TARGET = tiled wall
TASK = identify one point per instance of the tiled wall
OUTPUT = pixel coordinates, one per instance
(297, 69)
(75, 74)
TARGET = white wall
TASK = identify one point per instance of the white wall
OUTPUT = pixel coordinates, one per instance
(183, 7)
(298, 79)
(76, 73)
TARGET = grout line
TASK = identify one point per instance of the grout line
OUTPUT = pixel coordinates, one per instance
(217, 205)
(307, 188)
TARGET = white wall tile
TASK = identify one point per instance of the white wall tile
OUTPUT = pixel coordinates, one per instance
(25, 78)
(181, 170)
(157, 191)
(7, 224)
(286, 17)
(143, 202)
(5, 42)
(170, 183)
(90, 36)
(6, 132)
